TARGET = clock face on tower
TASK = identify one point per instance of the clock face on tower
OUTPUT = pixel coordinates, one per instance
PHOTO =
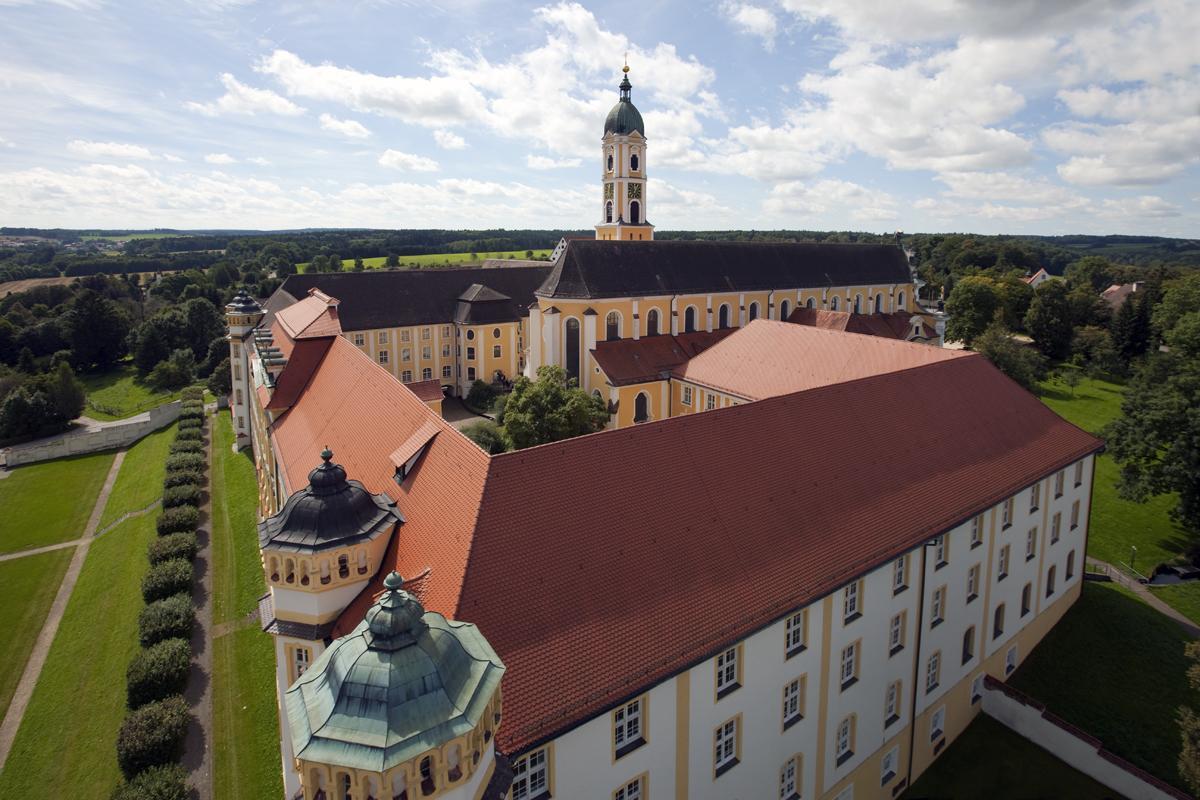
(635, 191)
(608, 191)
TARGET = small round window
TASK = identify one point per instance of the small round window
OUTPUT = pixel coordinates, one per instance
(470, 334)
(633, 162)
(495, 333)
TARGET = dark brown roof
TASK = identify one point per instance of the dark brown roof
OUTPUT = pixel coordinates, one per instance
(394, 298)
(426, 390)
(626, 361)
(595, 268)
(895, 325)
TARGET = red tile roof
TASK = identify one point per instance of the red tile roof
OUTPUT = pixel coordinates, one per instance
(626, 361)
(314, 316)
(426, 390)
(895, 325)
(768, 358)
(601, 565)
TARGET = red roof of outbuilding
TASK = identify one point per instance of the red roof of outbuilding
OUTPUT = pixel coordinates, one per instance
(626, 361)
(894, 325)
(426, 390)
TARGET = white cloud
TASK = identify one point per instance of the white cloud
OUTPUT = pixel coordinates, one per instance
(1008, 187)
(121, 150)
(1128, 154)
(407, 161)
(542, 162)
(449, 140)
(1146, 206)
(220, 158)
(754, 20)
(7, 142)
(795, 198)
(346, 127)
(242, 99)
(171, 157)
(259, 161)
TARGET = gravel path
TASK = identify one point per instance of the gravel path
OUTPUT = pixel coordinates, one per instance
(197, 753)
(41, 648)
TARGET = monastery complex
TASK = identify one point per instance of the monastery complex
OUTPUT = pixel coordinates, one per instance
(784, 570)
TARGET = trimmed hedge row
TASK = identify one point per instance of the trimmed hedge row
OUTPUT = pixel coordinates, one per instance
(189, 435)
(182, 477)
(170, 618)
(187, 494)
(173, 545)
(167, 578)
(158, 672)
(178, 520)
(164, 782)
(188, 461)
(152, 735)
(186, 446)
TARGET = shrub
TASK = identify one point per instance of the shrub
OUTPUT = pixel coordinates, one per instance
(186, 446)
(192, 410)
(182, 477)
(481, 395)
(186, 495)
(176, 520)
(487, 435)
(189, 435)
(163, 782)
(158, 671)
(173, 545)
(167, 578)
(170, 618)
(185, 424)
(192, 394)
(152, 735)
(186, 461)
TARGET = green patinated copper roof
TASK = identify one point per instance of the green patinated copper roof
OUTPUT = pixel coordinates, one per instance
(403, 682)
(624, 118)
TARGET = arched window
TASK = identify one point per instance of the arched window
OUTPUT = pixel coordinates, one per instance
(879, 304)
(1050, 576)
(634, 162)
(362, 562)
(723, 317)
(998, 622)
(753, 315)
(274, 569)
(427, 373)
(608, 211)
(812, 302)
(454, 767)
(325, 577)
(343, 567)
(612, 326)
(344, 786)
(610, 160)
(833, 304)
(635, 209)
(427, 784)
(571, 351)
(289, 570)
(784, 310)
(900, 301)
(689, 320)
(1070, 565)
(858, 304)
(968, 645)
(652, 322)
(641, 408)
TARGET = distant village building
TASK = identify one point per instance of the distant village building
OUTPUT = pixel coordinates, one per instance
(1038, 278)
(1118, 293)
(786, 572)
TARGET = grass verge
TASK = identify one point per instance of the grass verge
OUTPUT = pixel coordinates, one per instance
(66, 745)
(237, 571)
(50, 502)
(27, 588)
(1116, 668)
(121, 393)
(989, 760)
(139, 483)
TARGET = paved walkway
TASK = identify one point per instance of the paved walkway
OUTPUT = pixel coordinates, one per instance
(1148, 595)
(41, 648)
(198, 744)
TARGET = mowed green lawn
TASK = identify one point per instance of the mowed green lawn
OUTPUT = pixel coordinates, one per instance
(988, 760)
(121, 393)
(50, 502)
(66, 745)
(27, 588)
(245, 716)
(139, 482)
(1116, 668)
(437, 259)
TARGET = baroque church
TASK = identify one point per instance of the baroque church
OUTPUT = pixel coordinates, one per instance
(808, 545)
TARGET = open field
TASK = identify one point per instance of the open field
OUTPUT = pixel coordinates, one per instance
(121, 393)
(245, 716)
(66, 746)
(437, 259)
(989, 760)
(27, 588)
(120, 237)
(139, 483)
(1116, 668)
(50, 502)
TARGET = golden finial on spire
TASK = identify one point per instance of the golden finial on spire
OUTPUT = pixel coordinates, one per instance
(625, 68)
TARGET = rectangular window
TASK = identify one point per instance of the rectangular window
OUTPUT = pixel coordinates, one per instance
(1002, 571)
(1035, 496)
(793, 702)
(634, 790)
(383, 356)
(933, 672)
(977, 531)
(446, 371)
(1070, 565)
(725, 750)
(445, 351)
(939, 551)
(406, 376)
(850, 609)
(789, 779)
(849, 670)
(1031, 543)
(1006, 514)
(900, 575)
(937, 724)
(445, 330)
(887, 769)
(937, 607)
(360, 339)
(470, 373)
(844, 747)
(405, 335)
(977, 689)
(470, 353)
(1026, 599)
(1055, 526)
(1010, 660)
(627, 727)
(896, 634)
(381, 337)
(301, 657)
(727, 671)
(495, 351)
(531, 776)
(1075, 515)
(795, 633)
(1079, 473)
(1059, 480)
(687, 396)
(426, 352)
(891, 704)
(710, 402)
(973, 583)
(426, 333)
(406, 354)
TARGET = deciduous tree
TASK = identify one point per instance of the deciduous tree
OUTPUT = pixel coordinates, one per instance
(972, 307)
(550, 408)
(1049, 320)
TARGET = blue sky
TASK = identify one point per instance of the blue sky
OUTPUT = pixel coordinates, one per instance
(1028, 116)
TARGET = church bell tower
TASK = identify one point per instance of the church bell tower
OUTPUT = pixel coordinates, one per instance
(623, 165)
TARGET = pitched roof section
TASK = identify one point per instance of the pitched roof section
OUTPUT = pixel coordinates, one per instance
(595, 269)
(768, 358)
(627, 361)
(395, 298)
(313, 317)
(426, 390)
(895, 325)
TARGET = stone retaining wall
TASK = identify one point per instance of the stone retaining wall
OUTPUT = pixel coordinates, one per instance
(93, 439)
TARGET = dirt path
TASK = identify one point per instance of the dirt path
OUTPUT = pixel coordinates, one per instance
(33, 551)
(1141, 591)
(41, 648)
(198, 746)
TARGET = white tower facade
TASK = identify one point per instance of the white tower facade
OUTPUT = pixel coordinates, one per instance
(242, 315)
(623, 172)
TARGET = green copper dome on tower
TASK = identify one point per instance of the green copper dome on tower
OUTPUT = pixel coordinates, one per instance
(624, 118)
